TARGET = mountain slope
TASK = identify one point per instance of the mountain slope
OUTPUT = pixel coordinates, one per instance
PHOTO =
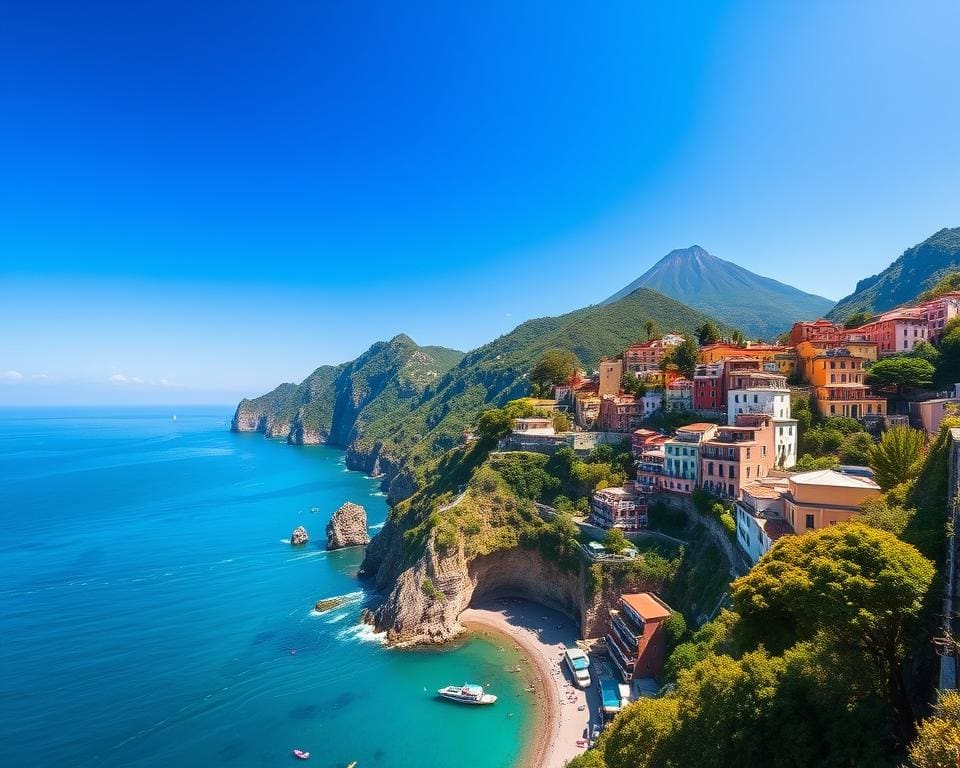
(917, 269)
(334, 403)
(760, 306)
(400, 427)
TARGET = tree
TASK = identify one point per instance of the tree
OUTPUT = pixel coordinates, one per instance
(946, 284)
(685, 357)
(808, 463)
(901, 371)
(650, 328)
(554, 367)
(925, 351)
(615, 541)
(859, 587)
(561, 422)
(856, 320)
(948, 368)
(898, 456)
(495, 423)
(855, 449)
(938, 738)
(708, 333)
(633, 384)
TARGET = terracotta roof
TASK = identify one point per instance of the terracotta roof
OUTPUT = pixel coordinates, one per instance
(761, 491)
(700, 426)
(775, 528)
(649, 606)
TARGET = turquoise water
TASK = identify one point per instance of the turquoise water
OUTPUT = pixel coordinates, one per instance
(152, 614)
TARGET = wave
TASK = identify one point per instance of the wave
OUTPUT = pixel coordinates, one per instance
(376, 527)
(284, 541)
(377, 493)
(306, 556)
(363, 633)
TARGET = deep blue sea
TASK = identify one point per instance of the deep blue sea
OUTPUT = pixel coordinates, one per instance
(152, 612)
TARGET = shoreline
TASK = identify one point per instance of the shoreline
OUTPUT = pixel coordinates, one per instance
(541, 635)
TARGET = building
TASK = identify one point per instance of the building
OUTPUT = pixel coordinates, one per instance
(928, 414)
(618, 508)
(586, 405)
(737, 455)
(640, 439)
(533, 426)
(652, 402)
(938, 312)
(679, 395)
(765, 393)
(610, 377)
(809, 352)
(644, 357)
(837, 377)
(760, 521)
(715, 353)
(637, 642)
(894, 332)
(620, 413)
(709, 393)
(682, 457)
(815, 500)
(821, 332)
(650, 472)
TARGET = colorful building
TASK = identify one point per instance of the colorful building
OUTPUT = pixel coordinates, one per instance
(679, 395)
(618, 508)
(929, 414)
(837, 378)
(682, 457)
(765, 393)
(894, 332)
(738, 454)
(709, 393)
(938, 312)
(820, 332)
(610, 377)
(815, 500)
(637, 641)
(644, 357)
(760, 521)
(620, 413)
(809, 352)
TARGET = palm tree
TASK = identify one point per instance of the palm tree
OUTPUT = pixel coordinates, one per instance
(898, 456)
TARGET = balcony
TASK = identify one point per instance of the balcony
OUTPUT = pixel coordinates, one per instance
(622, 665)
(626, 636)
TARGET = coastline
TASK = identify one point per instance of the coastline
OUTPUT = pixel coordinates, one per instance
(541, 635)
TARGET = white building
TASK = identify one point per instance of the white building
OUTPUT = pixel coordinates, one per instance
(768, 393)
(760, 520)
(652, 402)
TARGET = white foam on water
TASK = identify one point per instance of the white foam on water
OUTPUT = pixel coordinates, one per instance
(363, 633)
(284, 541)
(377, 493)
(306, 556)
(376, 527)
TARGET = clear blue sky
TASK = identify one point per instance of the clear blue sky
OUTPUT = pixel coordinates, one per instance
(200, 200)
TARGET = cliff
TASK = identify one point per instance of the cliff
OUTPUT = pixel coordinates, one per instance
(399, 406)
(917, 269)
(439, 552)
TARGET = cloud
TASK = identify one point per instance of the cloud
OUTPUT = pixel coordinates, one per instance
(118, 378)
(11, 376)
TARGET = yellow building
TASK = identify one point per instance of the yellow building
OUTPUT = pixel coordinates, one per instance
(838, 381)
(784, 358)
(807, 353)
(818, 499)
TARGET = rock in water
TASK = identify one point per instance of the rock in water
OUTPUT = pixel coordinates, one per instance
(348, 527)
(299, 536)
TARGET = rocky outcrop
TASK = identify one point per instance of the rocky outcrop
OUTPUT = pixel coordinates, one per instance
(299, 536)
(348, 527)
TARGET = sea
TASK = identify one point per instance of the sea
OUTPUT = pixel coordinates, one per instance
(153, 611)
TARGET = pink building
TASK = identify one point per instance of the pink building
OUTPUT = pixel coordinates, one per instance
(738, 454)
(644, 357)
(620, 413)
(940, 311)
(893, 332)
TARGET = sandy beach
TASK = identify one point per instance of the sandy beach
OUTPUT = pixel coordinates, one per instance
(565, 712)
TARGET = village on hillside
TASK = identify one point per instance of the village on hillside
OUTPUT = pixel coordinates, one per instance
(730, 429)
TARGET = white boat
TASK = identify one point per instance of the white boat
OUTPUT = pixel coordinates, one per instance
(578, 663)
(467, 694)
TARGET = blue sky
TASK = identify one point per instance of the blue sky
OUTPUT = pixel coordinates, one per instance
(200, 200)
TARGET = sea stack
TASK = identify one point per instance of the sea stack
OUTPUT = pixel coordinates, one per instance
(348, 527)
(299, 536)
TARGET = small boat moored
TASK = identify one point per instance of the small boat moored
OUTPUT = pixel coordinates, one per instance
(467, 694)
(301, 754)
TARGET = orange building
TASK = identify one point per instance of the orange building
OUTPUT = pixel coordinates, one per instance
(808, 352)
(818, 499)
(837, 378)
(636, 641)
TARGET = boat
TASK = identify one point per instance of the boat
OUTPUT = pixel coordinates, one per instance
(301, 755)
(467, 694)
(578, 663)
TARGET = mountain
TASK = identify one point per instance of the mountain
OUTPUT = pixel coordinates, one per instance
(391, 420)
(760, 306)
(917, 269)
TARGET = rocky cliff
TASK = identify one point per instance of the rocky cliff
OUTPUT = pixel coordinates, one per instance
(348, 527)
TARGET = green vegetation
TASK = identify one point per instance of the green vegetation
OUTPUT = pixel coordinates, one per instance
(826, 443)
(898, 456)
(708, 333)
(938, 737)
(857, 319)
(900, 371)
(817, 608)
(683, 357)
(430, 590)
(722, 511)
(615, 541)
(554, 367)
(918, 269)
(947, 284)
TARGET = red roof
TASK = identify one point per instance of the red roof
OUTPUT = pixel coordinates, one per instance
(648, 605)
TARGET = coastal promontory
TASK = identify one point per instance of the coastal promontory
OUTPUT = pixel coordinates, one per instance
(348, 527)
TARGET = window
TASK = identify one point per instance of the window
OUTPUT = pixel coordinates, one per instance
(730, 474)
(710, 468)
(809, 521)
